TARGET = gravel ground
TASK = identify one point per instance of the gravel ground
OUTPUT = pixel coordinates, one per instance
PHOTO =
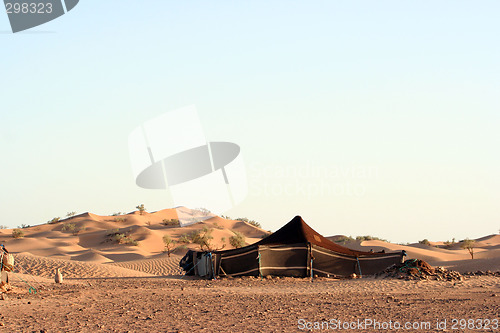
(252, 305)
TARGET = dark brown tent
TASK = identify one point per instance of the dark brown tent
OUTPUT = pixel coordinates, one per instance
(294, 250)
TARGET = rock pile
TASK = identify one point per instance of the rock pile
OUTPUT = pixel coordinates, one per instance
(415, 269)
(483, 273)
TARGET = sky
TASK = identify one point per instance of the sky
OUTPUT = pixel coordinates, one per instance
(364, 117)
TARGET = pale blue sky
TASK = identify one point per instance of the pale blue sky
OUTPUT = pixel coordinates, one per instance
(409, 89)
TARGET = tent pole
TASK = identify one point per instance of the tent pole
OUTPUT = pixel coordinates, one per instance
(359, 267)
(260, 272)
(312, 258)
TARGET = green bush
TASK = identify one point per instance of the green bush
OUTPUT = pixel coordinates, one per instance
(171, 223)
(17, 233)
(184, 239)
(68, 227)
(368, 238)
(238, 240)
(425, 242)
(251, 222)
(121, 238)
(54, 220)
(344, 239)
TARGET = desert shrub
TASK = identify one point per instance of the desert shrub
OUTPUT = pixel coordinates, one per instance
(116, 236)
(169, 244)
(119, 219)
(17, 233)
(54, 220)
(3, 227)
(171, 223)
(202, 211)
(184, 239)
(124, 239)
(72, 228)
(68, 227)
(141, 209)
(204, 239)
(70, 214)
(425, 242)
(368, 238)
(216, 225)
(344, 239)
(24, 226)
(181, 247)
(251, 222)
(468, 244)
(116, 214)
(237, 240)
(225, 217)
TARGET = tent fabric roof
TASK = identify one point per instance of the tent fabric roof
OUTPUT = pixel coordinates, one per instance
(297, 231)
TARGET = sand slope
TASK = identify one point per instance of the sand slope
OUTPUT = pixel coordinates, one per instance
(86, 246)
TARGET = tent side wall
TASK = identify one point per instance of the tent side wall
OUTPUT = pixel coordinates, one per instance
(284, 260)
(374, 264)
(237, 262)
(327, 262)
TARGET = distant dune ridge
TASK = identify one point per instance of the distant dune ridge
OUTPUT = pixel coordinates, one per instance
(131, 245)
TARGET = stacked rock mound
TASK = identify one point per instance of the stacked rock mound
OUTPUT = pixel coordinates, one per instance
(416, 269)
(483, 273)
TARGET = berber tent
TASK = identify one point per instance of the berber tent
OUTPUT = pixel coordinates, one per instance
(294, 250)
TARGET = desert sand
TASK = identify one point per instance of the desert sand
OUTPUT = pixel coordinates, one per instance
(113, 287)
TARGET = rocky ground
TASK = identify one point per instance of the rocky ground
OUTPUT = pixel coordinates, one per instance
(251, 305)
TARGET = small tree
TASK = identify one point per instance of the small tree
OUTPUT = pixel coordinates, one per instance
(204, 239)
(468, 244)
(141, 209)
(238, 240)
(169, 244)
(17, 233)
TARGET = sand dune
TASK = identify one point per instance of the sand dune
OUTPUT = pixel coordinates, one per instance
(45, 267)
(161, 265)
(89, 245)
